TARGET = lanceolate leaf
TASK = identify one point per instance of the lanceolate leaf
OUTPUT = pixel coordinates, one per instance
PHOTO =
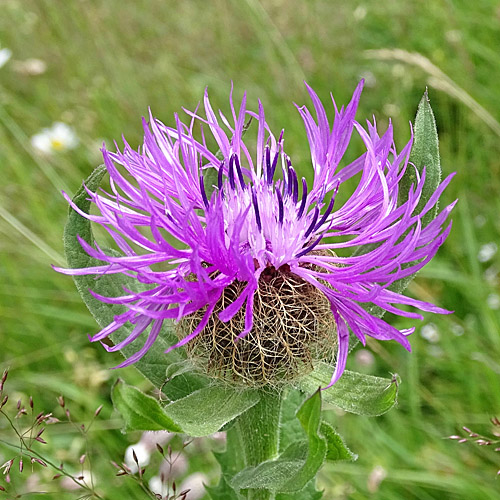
(354, 392)
(206, 410)
(292, 431)
(336, 449)
(140, 412)
(424, 153)
(154, 363)
(201, 413)
(290, 427)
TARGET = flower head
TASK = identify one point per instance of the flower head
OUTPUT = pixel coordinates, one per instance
(57, 138)
(245, 261)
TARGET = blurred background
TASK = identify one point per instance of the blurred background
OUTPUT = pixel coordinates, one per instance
(92, 68)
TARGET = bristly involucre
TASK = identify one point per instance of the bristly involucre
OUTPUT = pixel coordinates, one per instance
(197, 249)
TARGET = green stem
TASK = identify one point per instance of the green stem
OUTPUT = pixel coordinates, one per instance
(259, 436)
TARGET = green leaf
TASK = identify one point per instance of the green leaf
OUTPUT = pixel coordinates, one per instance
(154, 363)
(424, 153)
(182, 381)
(298, 464)
(140, 411)
(336, 448)
(309, 492)
(201, 413)
(206, 410)
(291, 429)
(353, 392)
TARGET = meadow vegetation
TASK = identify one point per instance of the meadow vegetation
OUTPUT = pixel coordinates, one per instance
(106, 61)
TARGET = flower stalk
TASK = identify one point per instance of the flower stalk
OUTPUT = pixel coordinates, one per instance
(258, 434)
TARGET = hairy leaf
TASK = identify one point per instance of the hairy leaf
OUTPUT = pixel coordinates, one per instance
(354, 392)
(336, 448)
(424, 153)
(140, 411)
(206, 410)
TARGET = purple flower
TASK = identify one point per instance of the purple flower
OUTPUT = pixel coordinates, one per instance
(261, 220)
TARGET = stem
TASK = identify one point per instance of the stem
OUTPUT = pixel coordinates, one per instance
(259, 436)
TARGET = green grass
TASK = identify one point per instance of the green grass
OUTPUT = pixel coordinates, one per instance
(107, 61)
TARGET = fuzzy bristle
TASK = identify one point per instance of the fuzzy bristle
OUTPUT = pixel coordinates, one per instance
(292, 327)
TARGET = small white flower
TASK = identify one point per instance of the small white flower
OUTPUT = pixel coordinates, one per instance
(364, 358)
(150, 439)
(360, 13)
(457, 330)
(141, 452)
(453, 36)
(435, 351)
(486, 252)
(5, 55)
(59, 137)
(430, 332)
(157, 486)
(493, 301)
(30, 67)
(399, 71)
(377, 475)
(195, 484)
(219, 437)
(491, 275)
(480, 220)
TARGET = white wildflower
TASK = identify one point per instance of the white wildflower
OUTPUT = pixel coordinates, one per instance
(158, 487)
(493, 301)
(369, 78)
(5, 55)
(364, 357)
(360, 12)
(59, 137)
(141, 452)
(30, 67)
(83, 479)
(457, 330)
(487, 251)
(480, 220)
(195, 484)
(430, 332)
(377, 475)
